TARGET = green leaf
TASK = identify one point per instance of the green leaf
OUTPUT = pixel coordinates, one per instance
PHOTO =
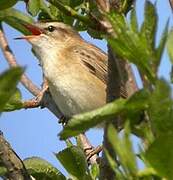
(54, 11)
(4, 4)
(65, 2)
(171, 74)
(136, 104)
(132, 108)
(17, 24)
(82, 122)
(113, 164)
(94, 171)
(94, 33)
(170, 46)
(130, 45)
(68, 11)
(127, 5)
(133, 21)
(123, 149)
(46, 9)
(41, 169)
(160, 155)
(33, 7)
(149, 26)
(8, 83)
(143, 130)
(74, 161)
(3, 171)
(161, 46)
(43, 16)
(15, 13)
(68, 143)
(80, 26)
(131, 160)
(137, 47)
(147, 172)
(68, 19)
(15, 102)
(15, 19)
(161, 108)
(76, 3)
(118, 22)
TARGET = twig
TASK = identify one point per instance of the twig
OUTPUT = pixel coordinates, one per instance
(12, 62)
(32, 103)
(15, 168)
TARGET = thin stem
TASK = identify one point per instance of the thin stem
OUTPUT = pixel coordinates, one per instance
(32, 103)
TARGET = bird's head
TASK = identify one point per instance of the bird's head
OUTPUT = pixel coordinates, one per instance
(49, 34)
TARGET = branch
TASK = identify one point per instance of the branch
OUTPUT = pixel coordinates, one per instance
(14, 165)
(171, 4)
(120, 77)
(31, 103)
(113, 92)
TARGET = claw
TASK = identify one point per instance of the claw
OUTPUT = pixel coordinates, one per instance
(63, 120)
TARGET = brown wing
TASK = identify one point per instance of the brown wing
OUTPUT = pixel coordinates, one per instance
(94, 59)
(96, 62)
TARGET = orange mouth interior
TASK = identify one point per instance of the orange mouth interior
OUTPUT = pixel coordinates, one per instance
(35, 31)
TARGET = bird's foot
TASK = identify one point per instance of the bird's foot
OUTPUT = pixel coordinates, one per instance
(36, 101)
(40, 96)
(63, 120)
(92, 151)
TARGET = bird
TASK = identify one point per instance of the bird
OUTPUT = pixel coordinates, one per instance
(76, 71)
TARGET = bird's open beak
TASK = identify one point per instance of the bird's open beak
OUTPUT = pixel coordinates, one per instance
(35, 31)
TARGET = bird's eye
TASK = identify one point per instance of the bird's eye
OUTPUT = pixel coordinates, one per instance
(51, 28)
